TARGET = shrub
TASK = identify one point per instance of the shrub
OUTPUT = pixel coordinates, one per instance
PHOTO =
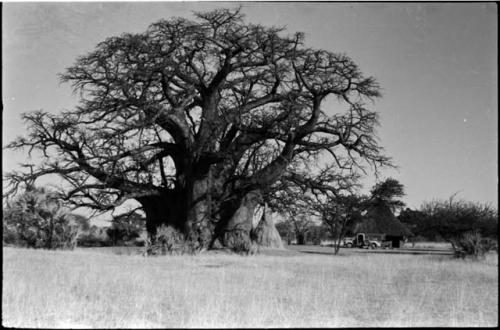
(472, 244)
(167, 240)
(94, 237)
(37, 219)
(126, 228)
(244, 247)
(469, 226)
(10, 236)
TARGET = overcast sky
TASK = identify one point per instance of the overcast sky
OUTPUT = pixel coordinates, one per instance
(436, 63)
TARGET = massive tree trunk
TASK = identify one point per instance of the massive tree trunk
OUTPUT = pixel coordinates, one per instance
(207, 212)
(239, 224)
(166, 208)
(199, 218)
(186, 212)
(301, 239)
(204, 223)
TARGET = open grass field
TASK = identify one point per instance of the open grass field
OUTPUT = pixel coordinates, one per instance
(94, 288)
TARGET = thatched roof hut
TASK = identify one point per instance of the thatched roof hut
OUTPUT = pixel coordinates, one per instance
(380, 220)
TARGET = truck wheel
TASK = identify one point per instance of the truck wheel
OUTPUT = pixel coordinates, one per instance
(373, 246)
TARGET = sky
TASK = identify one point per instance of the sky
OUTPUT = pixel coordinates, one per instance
(436, 64)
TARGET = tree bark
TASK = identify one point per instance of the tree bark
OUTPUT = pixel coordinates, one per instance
(238, 228)
(166, 208)
(301, 239)
(199, 221)
(337, 246)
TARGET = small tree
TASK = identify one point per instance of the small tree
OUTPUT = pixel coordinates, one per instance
(338, 213)
(37, 219)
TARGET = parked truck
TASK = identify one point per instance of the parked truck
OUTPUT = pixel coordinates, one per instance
(365, 241)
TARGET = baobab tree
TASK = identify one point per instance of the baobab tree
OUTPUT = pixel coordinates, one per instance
(197, 120)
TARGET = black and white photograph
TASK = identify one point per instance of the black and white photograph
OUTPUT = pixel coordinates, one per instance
(249, 164)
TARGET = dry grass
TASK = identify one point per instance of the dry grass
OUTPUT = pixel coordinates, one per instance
(93, 289)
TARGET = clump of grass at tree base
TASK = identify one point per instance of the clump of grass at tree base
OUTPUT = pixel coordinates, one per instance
(167, 240)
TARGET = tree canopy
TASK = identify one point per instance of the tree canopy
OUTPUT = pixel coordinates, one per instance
(198, 119)
(387, 193)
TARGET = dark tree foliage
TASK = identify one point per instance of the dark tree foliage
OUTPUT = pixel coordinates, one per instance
(417, 222)
(451, 218)
(317, 233)
(198, 120)
(388, 193)
(126, 227)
